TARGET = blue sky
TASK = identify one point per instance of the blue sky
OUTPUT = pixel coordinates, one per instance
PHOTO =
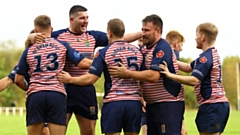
(183, 15)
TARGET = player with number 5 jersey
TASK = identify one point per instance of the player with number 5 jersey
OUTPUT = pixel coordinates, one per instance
(46, 96)
(122, 107)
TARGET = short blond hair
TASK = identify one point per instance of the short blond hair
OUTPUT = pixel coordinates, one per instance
(42, 21)
(209, 30)
(174, 35)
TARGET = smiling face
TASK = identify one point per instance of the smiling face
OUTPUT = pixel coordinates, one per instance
(79, 22)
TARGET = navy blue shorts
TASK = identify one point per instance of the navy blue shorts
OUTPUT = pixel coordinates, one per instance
(164, 118)
(144, 119)
(82, 100)
(120, 115)
(212, 117)
(46, 106)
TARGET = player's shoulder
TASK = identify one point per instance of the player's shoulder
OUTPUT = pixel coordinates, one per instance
(55, 34)
(96, 33)
(162, 43)
(206, 57)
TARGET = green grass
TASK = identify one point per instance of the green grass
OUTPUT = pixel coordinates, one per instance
(15, 125)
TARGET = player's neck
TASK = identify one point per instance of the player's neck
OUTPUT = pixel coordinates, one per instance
(73, 31)
(115, 39)
(206, 46)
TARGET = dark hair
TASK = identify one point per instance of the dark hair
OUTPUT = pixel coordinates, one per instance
(116, 26)
(42, 21)
(76, 8)
(32, 31)
(155, 19)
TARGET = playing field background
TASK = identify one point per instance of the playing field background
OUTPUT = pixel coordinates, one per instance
(15, 125)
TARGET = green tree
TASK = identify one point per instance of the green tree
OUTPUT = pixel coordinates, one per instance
(229, 79)
(9, 56)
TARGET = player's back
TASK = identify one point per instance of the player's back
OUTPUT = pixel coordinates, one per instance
(45, 61)
(131, 57)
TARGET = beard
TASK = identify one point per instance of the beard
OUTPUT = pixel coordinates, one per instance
(147, 41)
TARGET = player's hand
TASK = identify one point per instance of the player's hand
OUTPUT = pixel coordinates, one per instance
(37, 38)
(143, 105)
(118, 71)
(64, 77)
(164, 68)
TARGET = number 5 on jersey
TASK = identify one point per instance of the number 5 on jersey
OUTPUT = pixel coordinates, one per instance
(131, 62)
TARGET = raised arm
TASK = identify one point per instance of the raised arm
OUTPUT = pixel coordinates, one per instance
(131, 37)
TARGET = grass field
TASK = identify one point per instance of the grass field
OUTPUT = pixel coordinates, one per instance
(15, 125)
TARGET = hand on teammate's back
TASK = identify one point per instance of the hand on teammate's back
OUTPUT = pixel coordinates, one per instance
(37, 38)
(64, 77)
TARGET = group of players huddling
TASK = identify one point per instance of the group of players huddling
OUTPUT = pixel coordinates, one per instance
(58, 69)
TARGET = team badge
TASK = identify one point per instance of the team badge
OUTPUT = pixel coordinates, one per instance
(203, 59)
(86, 43)
(160, 54)
(92, 109)
(96, 54)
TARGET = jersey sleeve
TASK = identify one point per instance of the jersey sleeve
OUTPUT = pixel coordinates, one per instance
(98, 63)
(202, 67)
(72, 55)
(192, 64)
(22, 68)
(101, 38)
(12, 74)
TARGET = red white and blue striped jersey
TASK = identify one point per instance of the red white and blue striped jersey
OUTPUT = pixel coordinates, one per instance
(117, 89)
(84, 43)
(43, 62)
(164, 90)
(207, 68)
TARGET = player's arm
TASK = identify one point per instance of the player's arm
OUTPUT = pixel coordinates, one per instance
(85, 63)
(19, 80)
(131, 37)
(199, 72)
(87, 79)
(144, 76)
(188, 80)
(77, 58)
(21, 71)
(185, 67)
(35, 38)
(5, 82)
